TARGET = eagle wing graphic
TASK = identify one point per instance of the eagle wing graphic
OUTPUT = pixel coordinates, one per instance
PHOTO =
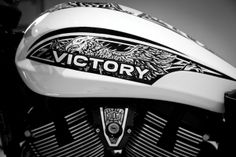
(157, 61)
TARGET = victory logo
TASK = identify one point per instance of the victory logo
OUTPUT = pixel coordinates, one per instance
(113, 57)
(92, 54)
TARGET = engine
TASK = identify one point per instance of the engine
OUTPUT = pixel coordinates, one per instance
(119, 127)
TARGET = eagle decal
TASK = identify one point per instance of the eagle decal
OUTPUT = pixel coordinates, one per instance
(112, 57)
(157, 61)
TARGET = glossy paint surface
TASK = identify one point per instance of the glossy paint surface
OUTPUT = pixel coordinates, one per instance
(193, 88)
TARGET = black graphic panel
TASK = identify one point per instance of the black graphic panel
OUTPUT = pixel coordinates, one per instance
(113, 57)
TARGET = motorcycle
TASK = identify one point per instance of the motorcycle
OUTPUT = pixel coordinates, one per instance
(108, 80)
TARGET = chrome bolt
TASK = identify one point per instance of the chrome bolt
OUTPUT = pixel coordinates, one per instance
(27, 133)
(129, 131)
(97, 130)
(206, 137)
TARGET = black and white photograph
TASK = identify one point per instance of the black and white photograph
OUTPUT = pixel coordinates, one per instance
(117, 78)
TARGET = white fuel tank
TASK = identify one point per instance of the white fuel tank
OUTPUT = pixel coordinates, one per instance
(81, 49)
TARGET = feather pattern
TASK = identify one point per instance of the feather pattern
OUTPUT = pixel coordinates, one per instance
(146, 57)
